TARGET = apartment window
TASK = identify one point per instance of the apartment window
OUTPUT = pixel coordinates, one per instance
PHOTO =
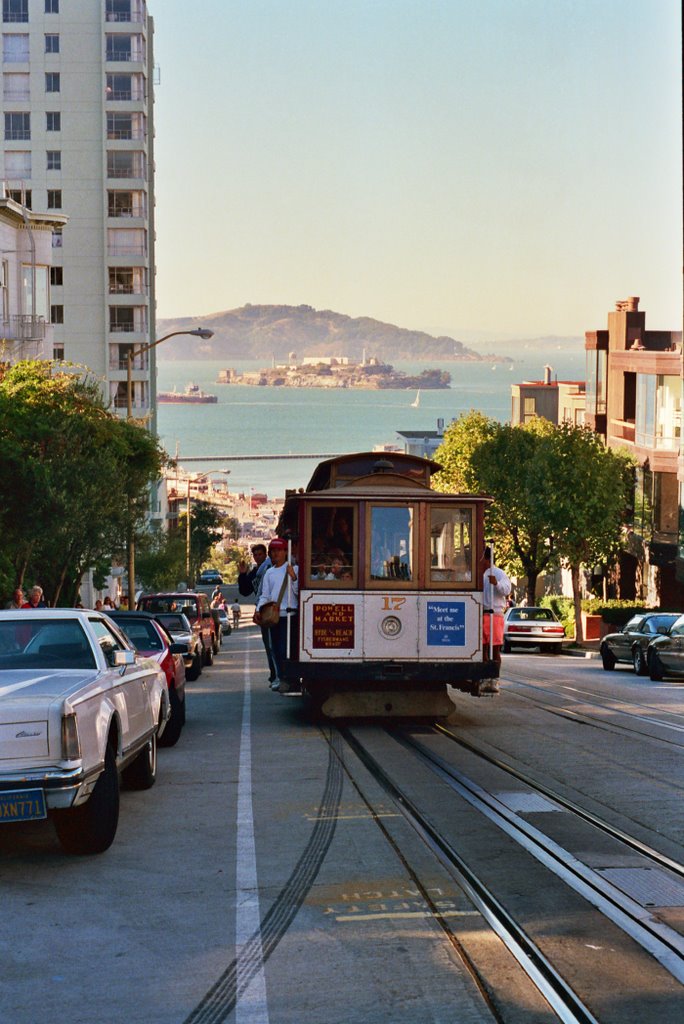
(119, 126)
(39, 275)
(119, 47)
(4, 296)
(52, 82)
(120, 204)
(56, 276)
(52, 6)
(54, 199)
(57, 238)
(15, 10)
(51, 43)
(529, 409)
(17, 126)
(21, 196)
(121, 319)
(53, 121)
(118, 10)
(15, 48)
(54, 159)
(16, 86)
(56, 314)
(17, 165)
(126, 242)
(127, 281)
(58, 351)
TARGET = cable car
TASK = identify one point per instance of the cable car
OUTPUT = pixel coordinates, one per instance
(390, 588)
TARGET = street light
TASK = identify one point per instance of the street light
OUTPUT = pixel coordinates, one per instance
(133, 351)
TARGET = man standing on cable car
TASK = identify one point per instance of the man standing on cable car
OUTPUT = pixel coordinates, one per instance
(496, 587)
(280, 585)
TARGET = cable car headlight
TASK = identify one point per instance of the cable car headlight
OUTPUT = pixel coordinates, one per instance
(391, 626)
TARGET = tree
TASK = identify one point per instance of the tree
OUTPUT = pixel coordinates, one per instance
(71, 475)
(559, 494)
(205, 531)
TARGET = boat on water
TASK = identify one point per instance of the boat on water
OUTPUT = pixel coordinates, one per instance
(415, 404)
(193, 395)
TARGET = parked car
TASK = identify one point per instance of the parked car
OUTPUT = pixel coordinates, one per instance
(631, 643)
(532, 627)
(178, 625)
(226, 628)
(209, 576)
(195, 606)
(666, 652)
(151, 639)
(78, 712)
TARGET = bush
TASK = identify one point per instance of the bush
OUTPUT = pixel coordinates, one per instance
(563, 608)
(615, 613)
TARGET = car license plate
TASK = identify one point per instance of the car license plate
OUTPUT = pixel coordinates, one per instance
(22, 805)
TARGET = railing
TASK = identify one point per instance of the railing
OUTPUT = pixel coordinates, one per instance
(127, 250)
(127, 328)
(13, 17)
(125, 172)
(623, 430)
(18, 134)
(24, 328)
(122, 95)
(16, 94)
(126, 134)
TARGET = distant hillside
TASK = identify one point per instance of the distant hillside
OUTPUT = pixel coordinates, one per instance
(265, 332)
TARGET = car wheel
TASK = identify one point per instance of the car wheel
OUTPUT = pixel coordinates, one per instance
(174, 726)
(557, 648)
(209, 655)
(639, 662)
(141, 773)
(608, 659)
(195, 670)
(91, 827)
(215, 643)
(506, 647)
(655, 667)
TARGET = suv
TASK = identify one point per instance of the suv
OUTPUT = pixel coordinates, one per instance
(210, 576)
(193, 605)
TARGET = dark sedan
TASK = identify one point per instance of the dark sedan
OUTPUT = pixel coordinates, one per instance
(666, 653)
(631, 643)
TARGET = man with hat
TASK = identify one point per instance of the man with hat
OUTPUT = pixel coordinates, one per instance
(250, 583)
(280, 585)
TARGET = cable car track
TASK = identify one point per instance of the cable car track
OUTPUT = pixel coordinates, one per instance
(663, 943)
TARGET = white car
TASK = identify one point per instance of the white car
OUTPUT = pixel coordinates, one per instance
(78, 710)
(532, 627)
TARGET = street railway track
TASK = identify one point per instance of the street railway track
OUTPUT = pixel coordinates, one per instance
(659, 940)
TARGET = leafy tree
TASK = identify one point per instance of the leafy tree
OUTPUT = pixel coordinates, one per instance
(160, 559)
(205, 530)
(72, 475)
(462, 437)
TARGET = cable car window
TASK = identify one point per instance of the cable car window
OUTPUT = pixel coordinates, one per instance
(391, 543)
(451, 547)
(332, 544)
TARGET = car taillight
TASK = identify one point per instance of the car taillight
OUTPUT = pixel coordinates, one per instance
(71, 747)
(519, 629)
(555, 629)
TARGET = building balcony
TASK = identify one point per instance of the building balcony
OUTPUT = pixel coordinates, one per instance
(622, 430)
(24, 328)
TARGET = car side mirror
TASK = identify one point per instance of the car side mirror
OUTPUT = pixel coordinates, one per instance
(120, 659)
(179, 648)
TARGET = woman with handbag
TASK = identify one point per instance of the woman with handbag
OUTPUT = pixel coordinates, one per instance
(277, 607)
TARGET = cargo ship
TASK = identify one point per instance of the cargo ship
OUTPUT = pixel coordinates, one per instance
(193, 395)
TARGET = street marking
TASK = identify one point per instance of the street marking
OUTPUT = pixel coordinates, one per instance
(399, 914)
(252, 1004)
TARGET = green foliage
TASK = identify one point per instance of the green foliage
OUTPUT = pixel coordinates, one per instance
(617, 613)
(563, 608)
(205, 530)
(72, 475)
(160, 559)
(226, 561)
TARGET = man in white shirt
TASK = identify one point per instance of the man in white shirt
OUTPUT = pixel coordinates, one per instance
(496, 588)
(280, 585)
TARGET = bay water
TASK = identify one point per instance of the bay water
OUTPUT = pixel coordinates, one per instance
(258, 421)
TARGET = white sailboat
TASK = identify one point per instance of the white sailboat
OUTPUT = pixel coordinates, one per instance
(416, 401)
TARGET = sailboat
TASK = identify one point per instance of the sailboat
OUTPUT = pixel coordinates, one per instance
(416, 401)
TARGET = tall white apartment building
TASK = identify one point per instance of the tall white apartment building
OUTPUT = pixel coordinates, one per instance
(77, 102)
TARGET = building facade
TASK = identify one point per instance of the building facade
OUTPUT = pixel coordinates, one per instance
(78, 139)
(555, 400)
(25, 266)
(634, 401)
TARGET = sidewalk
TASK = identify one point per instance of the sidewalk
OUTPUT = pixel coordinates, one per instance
(585, 649)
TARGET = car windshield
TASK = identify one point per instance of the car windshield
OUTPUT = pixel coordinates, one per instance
(658, 622)
(161, 604)
(141, 633)
(527, 614)
(30, 643)
(175, 623)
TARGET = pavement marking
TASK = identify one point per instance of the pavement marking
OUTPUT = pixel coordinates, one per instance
(252, 1002)
(400, 914)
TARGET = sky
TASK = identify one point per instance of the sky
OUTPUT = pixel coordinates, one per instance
(489, 169)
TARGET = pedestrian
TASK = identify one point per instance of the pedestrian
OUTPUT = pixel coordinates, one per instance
(108, 604)
(236, 612)
(281, 586)
(496, 587)
(98, 605)
(35, 598)
(18, 600)
(250, 583)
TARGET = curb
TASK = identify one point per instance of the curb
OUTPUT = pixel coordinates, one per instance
(579, 653)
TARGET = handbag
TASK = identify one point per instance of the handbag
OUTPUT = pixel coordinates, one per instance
(270, 612)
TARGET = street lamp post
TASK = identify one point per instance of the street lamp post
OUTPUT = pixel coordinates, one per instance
(133, 351)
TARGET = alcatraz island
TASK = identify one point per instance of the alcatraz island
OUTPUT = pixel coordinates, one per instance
(337, 372)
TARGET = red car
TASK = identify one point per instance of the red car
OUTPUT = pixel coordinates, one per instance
(151, 640)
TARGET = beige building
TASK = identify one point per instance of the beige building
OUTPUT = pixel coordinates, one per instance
(77, 139)
(555, 400)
